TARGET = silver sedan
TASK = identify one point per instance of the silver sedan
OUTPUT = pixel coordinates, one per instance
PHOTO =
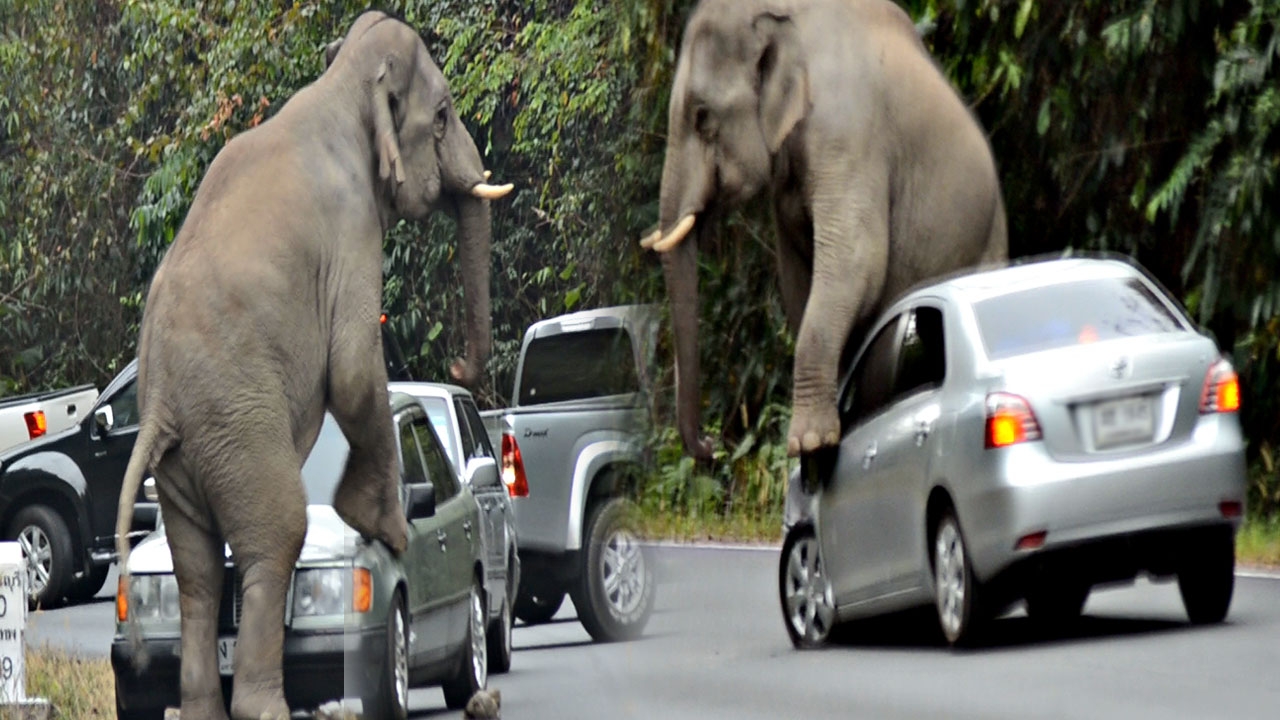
(1023, 433)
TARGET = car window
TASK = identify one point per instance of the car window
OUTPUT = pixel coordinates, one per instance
(1071, 313)
(922, 361)
(438, 411)
(578, 365)
(471, 415)
(124, 407)
(872, 379)
(439, 469)
(411, 466)
(464, 432)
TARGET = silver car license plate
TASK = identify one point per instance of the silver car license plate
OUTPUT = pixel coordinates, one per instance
(1121, 421)
(226, 655)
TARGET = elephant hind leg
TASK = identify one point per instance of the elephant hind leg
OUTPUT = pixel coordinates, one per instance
(263, 515)
(198, 562)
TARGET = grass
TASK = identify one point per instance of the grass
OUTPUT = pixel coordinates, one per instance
(1259, 542)
(78, 688)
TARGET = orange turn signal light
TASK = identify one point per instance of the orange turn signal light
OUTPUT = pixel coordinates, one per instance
(362, 597)
(122, 600)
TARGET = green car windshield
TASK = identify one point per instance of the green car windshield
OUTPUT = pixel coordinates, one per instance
(323, 468)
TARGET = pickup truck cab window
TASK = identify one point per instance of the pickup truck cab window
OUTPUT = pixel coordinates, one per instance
(578, 365)
(124, 407)
(475, 441)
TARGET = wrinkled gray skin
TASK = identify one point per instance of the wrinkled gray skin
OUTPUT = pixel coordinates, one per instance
(879, 175)
(264, 313)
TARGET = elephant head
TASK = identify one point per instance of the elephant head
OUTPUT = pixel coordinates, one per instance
(425, 158)
(740, 90)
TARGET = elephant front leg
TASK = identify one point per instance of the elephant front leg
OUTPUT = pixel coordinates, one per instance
(368, 495)
(850, 261)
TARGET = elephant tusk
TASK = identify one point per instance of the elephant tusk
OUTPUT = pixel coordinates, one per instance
(648, 241)
(682, 229)
(487, 173)
(491, 192)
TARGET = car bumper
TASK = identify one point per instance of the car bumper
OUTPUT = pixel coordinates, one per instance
(1075, 503)
(318, 667)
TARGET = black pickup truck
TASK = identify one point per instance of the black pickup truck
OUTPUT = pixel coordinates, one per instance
(59, 493)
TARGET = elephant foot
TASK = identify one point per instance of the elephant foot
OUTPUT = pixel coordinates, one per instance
(812, 428)
(364, 512)
(205, 707)
(259, 706)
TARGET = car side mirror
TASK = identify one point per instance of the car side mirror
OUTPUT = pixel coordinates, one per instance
(422, 500)
(481, 473)
(104, 419)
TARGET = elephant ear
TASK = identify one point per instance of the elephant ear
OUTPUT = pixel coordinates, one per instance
(783, 79)
(331, 52)
(385, 107)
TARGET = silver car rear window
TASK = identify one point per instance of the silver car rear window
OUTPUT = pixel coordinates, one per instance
(1071, 313)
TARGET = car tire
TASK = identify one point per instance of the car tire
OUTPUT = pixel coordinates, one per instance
(389, 698)
(47, 543)
(473, 667)
(536, 609)
(499, 637)
(87, 587)
(956, 590)
(614, 594)
(1050, 603)
(804, 590)
(1206, 578)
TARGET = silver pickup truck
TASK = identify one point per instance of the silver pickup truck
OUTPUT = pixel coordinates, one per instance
(27, 417)
(572, 448)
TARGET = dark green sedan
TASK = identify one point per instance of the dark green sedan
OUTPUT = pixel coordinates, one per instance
(361, 623)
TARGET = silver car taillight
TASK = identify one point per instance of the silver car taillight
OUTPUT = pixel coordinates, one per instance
(1221, 392)
(1009, 420)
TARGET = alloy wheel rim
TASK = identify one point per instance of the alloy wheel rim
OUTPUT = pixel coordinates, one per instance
(623, 572)
(950, 578)
(39, 558)
(807, 590)
(402, 663)
(479, 663)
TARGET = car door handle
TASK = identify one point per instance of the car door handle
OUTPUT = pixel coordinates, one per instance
(466, 527)
(922, 431)
(868, 456)
(441, 537)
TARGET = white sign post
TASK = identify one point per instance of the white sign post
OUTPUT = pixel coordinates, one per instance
(13, 626)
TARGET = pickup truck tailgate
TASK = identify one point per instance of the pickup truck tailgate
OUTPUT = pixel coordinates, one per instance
(557, 443)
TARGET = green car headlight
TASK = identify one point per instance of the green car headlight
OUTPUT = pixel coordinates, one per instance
(321, 591)
(154, 598)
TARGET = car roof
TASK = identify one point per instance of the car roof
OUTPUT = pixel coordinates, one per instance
(401, 400)
(975, 284)
(422, 387)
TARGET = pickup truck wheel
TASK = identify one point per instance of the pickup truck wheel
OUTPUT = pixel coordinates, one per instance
(46, 544)
(615, 591)
(537, 609)
(87, 587)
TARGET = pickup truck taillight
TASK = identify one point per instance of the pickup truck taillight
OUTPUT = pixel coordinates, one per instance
(36, 423)
(513, 467)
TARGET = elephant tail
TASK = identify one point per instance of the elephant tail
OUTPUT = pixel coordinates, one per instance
(149, 447)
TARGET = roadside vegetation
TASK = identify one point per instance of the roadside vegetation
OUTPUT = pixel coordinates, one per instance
(78, 688)
(1129, 125)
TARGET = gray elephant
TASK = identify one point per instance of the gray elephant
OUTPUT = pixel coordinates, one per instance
(880, 177)
(264, 313)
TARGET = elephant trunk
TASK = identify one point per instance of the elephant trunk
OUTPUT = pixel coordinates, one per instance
(474, 236)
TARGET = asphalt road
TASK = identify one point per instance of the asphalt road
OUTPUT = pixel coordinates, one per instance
(716, 648)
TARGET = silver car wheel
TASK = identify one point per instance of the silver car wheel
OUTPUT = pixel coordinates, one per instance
(807, 590)
(401, 662)
(949, 578)
(39, 558)
(623, 562)
(479, 644)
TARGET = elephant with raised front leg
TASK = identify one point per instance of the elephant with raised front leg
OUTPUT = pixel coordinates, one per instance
(880, 177)
(264, 313)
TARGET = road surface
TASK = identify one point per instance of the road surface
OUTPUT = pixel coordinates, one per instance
(716, 648)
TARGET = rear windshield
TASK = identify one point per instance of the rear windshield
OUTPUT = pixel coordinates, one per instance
(1073, 313)
(577, 366)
